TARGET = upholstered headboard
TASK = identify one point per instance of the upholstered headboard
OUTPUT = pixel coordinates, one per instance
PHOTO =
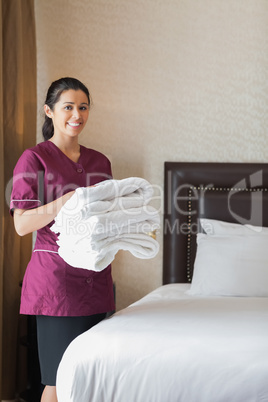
(232, 192)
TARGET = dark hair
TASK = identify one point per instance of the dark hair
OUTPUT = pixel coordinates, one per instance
(53, 94)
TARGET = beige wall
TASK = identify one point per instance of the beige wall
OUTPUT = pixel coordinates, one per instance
(183, 80)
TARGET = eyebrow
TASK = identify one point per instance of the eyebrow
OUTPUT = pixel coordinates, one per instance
(72, 103)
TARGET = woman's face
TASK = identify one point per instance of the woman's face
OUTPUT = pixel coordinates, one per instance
(70, 113)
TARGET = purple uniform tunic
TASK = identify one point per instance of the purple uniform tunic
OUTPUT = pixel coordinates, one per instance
(51, 286)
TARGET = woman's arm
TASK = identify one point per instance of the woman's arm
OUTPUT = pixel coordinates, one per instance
(28, 220)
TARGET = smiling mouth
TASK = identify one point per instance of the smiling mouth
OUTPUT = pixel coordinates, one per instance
(74, 124)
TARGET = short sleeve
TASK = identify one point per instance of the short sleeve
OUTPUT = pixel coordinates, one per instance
(26, 177)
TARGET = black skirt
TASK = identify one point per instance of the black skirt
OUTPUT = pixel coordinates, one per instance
(54, 334)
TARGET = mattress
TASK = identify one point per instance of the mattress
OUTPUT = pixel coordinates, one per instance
(170, 346)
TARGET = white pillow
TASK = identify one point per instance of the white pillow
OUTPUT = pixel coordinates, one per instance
(215, 227)
(231, 266)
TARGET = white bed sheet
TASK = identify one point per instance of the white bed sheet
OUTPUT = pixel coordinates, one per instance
(169, 347)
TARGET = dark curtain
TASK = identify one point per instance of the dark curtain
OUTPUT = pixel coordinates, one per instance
(17, 132)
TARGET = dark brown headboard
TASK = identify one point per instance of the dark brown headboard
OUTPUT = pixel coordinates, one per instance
(232, 192)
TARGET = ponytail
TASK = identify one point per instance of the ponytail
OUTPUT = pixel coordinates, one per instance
(48, 128)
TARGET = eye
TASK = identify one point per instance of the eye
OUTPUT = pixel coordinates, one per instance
(83, 108)
(69, 107)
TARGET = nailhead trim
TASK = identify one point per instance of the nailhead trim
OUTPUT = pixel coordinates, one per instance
(189, 217)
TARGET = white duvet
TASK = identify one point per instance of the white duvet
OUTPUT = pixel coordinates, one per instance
(170, 347)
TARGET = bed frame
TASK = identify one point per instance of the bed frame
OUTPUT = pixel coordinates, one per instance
(232, 192)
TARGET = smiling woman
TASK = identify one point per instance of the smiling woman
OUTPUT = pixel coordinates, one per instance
(65, 301)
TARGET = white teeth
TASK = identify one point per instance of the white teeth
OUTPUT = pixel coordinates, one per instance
(74, 124)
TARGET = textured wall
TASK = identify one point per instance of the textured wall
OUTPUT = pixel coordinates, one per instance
(183, 80)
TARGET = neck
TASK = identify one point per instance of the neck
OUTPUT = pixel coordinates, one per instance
(69, 145)
(70, 148)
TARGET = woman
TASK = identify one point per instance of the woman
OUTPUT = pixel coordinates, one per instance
(65, 300)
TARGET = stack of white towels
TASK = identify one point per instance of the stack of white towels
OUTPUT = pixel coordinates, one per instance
(98, 221)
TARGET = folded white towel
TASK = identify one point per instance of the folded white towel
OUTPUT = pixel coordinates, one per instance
(108, 195)
(140, 245)
(91, 231)
(111, 189)
(136, 220)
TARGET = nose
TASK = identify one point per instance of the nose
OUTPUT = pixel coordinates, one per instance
(76, 113)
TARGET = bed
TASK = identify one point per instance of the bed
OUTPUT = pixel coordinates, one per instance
(203, 335)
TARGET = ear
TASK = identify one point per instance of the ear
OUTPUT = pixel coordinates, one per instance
(48, 111)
